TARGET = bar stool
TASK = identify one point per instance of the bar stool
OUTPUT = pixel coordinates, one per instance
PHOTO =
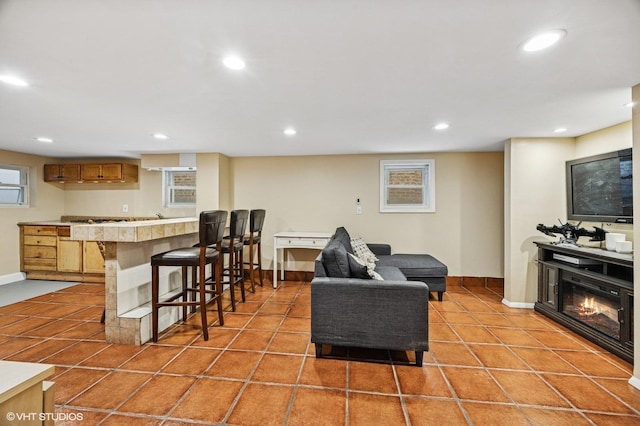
(254, 239)
(232, 246)
(207, 252)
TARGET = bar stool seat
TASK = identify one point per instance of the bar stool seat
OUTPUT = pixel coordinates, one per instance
(211, 231)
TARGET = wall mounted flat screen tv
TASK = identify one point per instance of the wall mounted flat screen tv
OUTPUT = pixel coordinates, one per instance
(600, 188)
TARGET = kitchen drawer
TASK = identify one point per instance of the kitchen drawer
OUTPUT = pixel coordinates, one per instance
(35, 240)
(35, 264)
(301, 242)
(64, 231)
(40, 230)
(43, 252)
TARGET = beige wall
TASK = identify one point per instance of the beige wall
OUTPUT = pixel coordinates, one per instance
(46, 202)
(213, 182)
(609, 139)
(535, 193)
(318, 193)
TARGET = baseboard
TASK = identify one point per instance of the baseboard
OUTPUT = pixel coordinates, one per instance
(635, 382)
(518, 305)
(11, 278)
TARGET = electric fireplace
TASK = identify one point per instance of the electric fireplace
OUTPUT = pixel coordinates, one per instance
(596, 306)
(589, 291)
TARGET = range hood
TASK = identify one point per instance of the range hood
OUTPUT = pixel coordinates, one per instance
(176, 162)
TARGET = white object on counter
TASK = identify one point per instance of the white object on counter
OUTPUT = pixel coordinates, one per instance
(611, 238)
(624, 246)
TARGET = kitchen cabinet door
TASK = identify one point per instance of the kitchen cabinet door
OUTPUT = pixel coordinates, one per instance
(93, 261)
(91, 172)
(69, 255)
(61, 172)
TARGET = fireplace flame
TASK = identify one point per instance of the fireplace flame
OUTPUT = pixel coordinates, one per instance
(589, 306)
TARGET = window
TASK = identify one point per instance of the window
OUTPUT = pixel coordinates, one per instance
(179, 188)
(407, 186)
(14, 186)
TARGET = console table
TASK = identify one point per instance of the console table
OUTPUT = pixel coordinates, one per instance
(589, 291)
(292, 239)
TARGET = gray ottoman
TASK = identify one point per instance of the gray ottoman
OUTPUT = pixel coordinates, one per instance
(419, 267)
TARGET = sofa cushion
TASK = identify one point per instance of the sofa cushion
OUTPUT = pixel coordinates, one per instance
(390, 273)
(336, 260)
(358, 268)
(415, 265)
(342, 235)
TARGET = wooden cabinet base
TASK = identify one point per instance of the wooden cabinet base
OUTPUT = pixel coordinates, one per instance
(65, 276)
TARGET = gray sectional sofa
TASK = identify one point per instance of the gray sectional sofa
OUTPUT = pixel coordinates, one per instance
(348, 308)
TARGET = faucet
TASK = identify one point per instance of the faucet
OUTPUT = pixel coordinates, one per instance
(160, 215)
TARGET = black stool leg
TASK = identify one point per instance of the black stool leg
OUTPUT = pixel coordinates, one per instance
(185, 271)
(231, 270)
(240, 274)
(203, 302)
(260, 261)
(154, 302)
(253, 281)
(217, 274)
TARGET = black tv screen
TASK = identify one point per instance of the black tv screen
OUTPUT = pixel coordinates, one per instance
(600, 188)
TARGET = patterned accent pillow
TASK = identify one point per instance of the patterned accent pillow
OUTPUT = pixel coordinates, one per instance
(361, 250)
(375, 275)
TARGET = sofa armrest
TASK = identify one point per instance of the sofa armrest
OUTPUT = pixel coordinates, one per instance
(370, 313)
(379, 249)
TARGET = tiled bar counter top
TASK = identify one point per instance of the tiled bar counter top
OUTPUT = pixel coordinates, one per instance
(128, 247)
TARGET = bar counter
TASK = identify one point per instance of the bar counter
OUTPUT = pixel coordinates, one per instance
(128, 247)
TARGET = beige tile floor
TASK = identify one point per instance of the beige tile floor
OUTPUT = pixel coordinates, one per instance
(487, 365)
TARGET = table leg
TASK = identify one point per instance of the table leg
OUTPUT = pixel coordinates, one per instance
(284, 263)
(275, 266)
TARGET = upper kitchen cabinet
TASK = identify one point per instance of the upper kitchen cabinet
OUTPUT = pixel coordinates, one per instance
(61, 172)
(109, 172)
(91, 172)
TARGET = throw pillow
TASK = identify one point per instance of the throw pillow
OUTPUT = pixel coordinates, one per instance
(335, 260)
(375, 275)
(342, 235)
(358, 268)
(361, 250)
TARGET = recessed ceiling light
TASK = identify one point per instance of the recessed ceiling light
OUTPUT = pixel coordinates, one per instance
(45, 140)
(160, 136)
(441, 126)
(13, 80)
(560, 130)
(630, 104)
(289, 131)
(544, 40)
(233, 62)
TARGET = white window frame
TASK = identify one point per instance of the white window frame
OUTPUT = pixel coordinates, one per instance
(23, 185)
(167, 188)
(428, 186)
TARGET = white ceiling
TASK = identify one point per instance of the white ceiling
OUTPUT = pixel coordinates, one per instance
(352, 76)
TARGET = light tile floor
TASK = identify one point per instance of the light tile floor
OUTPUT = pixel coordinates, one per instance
(487, 365)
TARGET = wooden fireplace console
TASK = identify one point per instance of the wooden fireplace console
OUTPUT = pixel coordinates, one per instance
(563, 268)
